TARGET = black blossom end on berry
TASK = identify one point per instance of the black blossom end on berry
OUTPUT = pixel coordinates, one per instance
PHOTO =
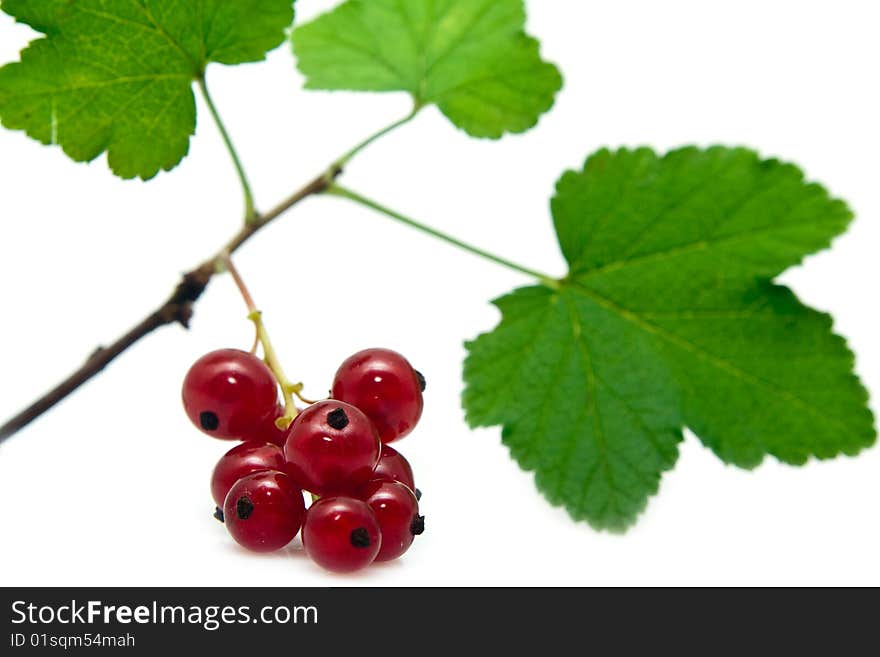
(360, 538)
(218, 513)
(421, 379)
(244, 508)
(337, 419)
(418, 495)
(209, 421)
(417, 528)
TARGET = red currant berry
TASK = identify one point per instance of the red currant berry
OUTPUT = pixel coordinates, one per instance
(385, 387)
(264, 511)
(331, 448)
(394, 467)
(341, 534)
(268, 431)
(397, 510)
(227, 393)
(241, 461)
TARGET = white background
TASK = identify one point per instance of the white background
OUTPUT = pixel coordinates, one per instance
(111, 488)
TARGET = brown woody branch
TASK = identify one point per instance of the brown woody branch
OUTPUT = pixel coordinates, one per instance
(177, 309)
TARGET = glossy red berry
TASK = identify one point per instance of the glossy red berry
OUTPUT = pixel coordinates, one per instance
(331, 448)
(385, 387)
(241, 461)
(228, 393)
(341, 534)
(394, 467)
(268, 431)
(397, 510)
(264, 511)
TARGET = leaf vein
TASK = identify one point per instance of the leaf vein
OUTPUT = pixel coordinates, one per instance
(719, 361)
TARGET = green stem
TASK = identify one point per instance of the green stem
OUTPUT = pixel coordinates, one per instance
(288, 389)
(342, 161)
(250, 213)
(338, 190)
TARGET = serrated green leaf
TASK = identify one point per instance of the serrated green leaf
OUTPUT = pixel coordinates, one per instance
(117, 76)
(669, 319)
(471, 58)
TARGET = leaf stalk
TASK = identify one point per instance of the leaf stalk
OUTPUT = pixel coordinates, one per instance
(343, 192)
(345, 159)
(250, 212)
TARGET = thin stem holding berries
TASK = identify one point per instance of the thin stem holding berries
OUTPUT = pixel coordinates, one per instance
(288, 389)
(226, 260)
(338, 190)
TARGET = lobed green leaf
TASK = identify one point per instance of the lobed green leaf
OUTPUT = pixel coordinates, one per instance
(471, 58)
(117, 76)
(669, 319)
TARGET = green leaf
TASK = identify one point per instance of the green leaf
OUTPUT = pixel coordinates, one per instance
(117, 76)
(471, 58)
(667, 319)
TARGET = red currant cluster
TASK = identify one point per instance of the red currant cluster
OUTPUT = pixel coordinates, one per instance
(365, 505)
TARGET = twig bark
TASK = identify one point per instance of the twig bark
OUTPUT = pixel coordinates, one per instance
(177, 309)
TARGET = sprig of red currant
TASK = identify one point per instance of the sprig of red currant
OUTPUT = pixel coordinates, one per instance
(365, 506)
